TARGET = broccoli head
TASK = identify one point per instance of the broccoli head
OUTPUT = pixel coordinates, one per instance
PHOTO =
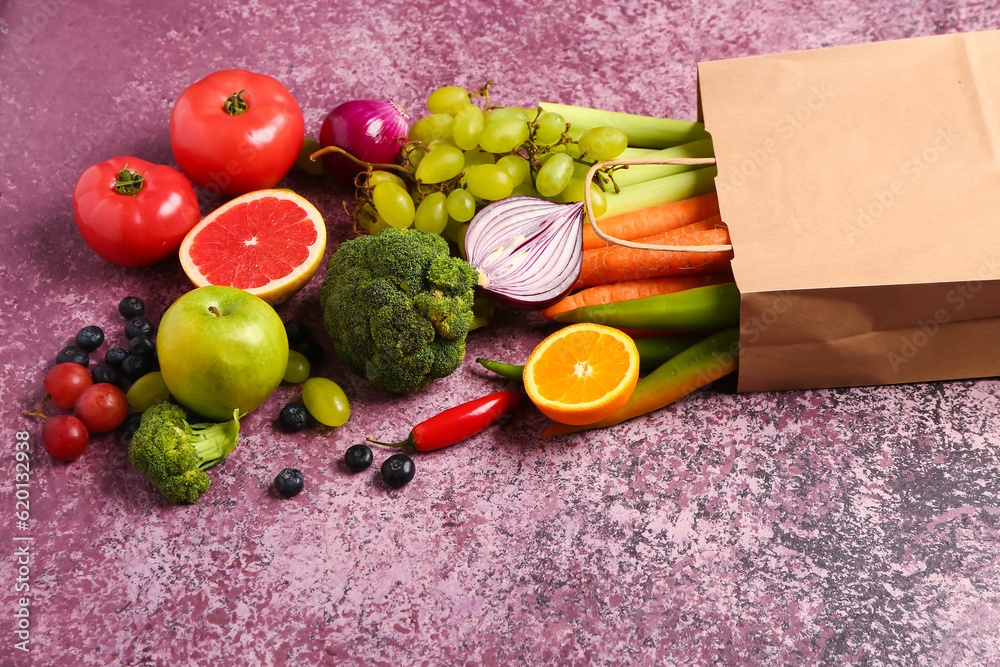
(398, 307)
(173, 454)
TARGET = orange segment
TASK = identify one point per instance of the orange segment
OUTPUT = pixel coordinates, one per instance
(582, 373)
(269, 243)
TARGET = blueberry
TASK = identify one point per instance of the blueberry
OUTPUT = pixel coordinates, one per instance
(293, 417)
(115, 356)
(89, 338)
(130, 426)
(73, 353)
(142, 345)
(105, 373)
(296, 332)
(289, 482)
(312, 351)
(138, 326)
(397, 470)
(131, 306)
(358, 457)
(136, 365)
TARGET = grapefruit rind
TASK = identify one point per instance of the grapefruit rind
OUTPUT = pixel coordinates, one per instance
(277, 290)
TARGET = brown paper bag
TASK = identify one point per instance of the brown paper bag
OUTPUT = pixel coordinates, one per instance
(861, 186)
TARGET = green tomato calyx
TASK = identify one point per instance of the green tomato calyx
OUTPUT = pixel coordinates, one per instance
(129, 182)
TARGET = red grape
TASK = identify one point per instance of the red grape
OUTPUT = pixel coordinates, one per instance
(101, 407)
(65, 382)
(64, 437)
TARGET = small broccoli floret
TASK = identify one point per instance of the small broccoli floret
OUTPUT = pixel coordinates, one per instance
(399, 307)
(174, 454)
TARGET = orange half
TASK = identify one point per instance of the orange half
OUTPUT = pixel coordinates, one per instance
(582, 373)
(268, 242)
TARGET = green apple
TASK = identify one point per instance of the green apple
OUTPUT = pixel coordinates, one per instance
(220, 349)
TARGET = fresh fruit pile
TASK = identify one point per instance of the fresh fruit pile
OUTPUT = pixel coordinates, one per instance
(467, 153)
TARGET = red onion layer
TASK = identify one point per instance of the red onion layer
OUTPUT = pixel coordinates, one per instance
(372, 131)
(528, 251)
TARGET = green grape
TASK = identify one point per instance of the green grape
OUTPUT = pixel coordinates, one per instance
(370, 220)
(380, 176)
(603, 143)
(325, 401)
(478, 156)
(525, 189)
(504, 135)
(517, 166)
(416, 156)
(432, 213)
(574, 192)
(507, 112)
(394, 204)
(468, 126)
(147, 391)
(549, 127)
(297, 369)
(447, 100)
(441, 163)
(436, 127)
(309, 146)
(461, 205)
(489, 181)
(554, 175)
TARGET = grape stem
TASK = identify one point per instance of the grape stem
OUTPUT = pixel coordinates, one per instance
(370, 166)
(632, 244)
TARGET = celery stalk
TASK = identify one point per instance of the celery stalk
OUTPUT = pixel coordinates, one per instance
(661, 191)
(640, 173)
(642, 131)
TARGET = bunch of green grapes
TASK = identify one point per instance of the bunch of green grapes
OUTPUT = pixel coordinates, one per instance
(464, 155)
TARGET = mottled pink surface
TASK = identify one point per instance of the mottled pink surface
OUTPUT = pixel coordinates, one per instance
(856, 526)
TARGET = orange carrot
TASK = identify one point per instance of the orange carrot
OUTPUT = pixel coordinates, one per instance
(634, 289)
(652, 220)
(616, 264)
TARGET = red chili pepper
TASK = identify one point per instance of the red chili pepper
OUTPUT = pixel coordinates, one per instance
(458, 423)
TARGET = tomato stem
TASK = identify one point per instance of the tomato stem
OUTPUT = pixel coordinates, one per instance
(129, 182)
(235, 105)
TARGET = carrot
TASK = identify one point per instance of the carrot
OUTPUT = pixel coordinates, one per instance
(616, 264)
(653, 220)
(634, 289)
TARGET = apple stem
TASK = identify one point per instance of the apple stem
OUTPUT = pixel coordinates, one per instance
(215, 311)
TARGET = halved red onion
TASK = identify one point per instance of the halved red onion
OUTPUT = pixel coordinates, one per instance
(527, 250)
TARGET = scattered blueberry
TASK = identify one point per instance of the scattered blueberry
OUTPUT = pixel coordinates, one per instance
(142, 345)
(358, 457)
(138, 326)
(73, 353)
(289, 482)
(397, 470)
(89, 338)
(293, 417)
(105, 373)
(115, 356)
(136, 365)
(312, 351)
(296, 332)
(131, 306)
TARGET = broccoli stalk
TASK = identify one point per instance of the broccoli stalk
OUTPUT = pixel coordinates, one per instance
(173, 454)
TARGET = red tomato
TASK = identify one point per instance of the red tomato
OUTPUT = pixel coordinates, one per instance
(102, 407)
(235, 131)
(133, 222)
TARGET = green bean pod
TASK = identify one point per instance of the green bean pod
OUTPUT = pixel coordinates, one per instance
(695, 309)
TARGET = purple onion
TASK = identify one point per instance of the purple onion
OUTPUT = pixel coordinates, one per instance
(372, 131)
(528, 251)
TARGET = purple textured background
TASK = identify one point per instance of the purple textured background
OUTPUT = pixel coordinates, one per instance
(845, 527)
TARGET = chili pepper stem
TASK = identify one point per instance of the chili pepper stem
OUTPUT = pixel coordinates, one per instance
(405, 443)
